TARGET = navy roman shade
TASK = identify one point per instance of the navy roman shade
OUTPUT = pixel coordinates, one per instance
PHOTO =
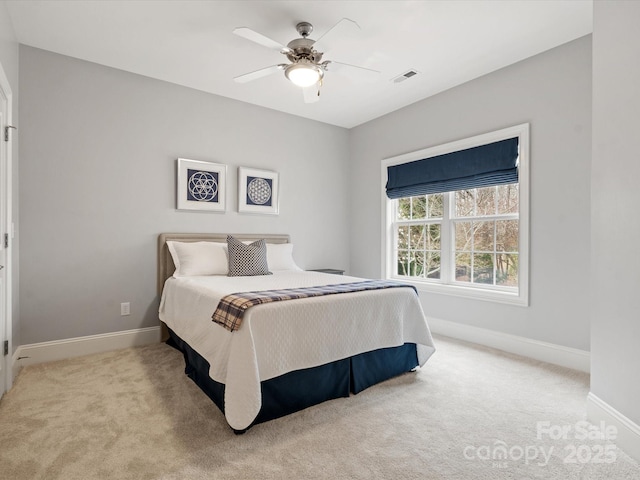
(483, 166)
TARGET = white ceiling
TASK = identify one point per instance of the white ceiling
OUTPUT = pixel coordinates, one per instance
(191, 43)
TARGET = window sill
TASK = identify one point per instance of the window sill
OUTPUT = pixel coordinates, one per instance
(474, 293)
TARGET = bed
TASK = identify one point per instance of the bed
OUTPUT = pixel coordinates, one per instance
(286, 355)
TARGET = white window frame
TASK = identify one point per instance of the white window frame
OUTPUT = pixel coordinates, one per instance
(475, 291)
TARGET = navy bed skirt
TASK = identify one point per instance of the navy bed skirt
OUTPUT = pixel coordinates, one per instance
(300, 389)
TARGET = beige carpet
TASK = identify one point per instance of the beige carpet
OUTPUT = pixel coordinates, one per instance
(133, 414)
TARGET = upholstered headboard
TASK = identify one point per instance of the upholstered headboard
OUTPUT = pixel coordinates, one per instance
(165, 262)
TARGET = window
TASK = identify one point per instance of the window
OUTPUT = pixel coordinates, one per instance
(471, 242)
(484, 224)
(417, 228)
(485, 229)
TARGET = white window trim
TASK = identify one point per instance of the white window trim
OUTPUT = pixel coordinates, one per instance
(494, 295)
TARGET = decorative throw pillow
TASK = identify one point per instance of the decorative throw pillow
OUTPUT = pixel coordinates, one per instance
(247, 260)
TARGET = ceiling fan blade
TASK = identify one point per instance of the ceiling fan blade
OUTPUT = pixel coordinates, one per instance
(343, 26)
(362, 73)
(263, 72)
(311, 94)
(260, 39)
(333, 66)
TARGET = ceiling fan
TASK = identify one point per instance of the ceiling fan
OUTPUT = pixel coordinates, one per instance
(306, 69)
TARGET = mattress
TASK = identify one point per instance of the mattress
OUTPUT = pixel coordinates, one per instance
(282, 337)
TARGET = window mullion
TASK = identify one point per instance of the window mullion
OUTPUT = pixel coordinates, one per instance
(495, 253)
(392, 269)
(446, 238)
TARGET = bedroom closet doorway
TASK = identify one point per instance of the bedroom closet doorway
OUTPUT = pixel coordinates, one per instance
(5, 219)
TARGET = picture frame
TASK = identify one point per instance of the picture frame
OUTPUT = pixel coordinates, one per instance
(257, 191)
(201, 185)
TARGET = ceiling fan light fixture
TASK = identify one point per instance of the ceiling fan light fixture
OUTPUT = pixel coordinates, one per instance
(304, 74)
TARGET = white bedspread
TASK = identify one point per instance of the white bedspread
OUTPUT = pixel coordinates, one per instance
(280, 337)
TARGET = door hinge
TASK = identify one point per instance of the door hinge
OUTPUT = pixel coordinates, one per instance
(6, 347)
(6, 131)
(6, 240)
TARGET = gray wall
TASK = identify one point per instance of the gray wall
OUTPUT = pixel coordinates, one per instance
(98, 161)
(615, 326)
(551, 91)
(9, 62)
(99, 146)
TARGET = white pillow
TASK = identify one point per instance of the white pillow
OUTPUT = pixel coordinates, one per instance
(199, 258)
(280, 257)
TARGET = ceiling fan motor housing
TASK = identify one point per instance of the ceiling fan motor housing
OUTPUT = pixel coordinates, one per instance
(303, 48)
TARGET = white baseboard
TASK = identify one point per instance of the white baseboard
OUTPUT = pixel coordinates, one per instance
(546, 352)
(76, 347)
(628, 432)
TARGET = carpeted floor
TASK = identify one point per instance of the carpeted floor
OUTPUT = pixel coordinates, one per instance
(470, 413)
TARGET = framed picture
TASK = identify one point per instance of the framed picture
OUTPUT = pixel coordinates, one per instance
(257, 191)
(201, 185)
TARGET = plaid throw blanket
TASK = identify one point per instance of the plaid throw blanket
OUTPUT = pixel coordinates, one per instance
(232, 308)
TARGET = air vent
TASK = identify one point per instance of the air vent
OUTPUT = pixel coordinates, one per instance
(404, 76)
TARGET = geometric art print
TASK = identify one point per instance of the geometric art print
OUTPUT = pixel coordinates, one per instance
(201, 185)
(257, 191)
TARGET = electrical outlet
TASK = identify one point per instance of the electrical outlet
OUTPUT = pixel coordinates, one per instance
(125, 309)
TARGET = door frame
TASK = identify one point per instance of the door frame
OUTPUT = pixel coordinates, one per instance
(7, 178)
